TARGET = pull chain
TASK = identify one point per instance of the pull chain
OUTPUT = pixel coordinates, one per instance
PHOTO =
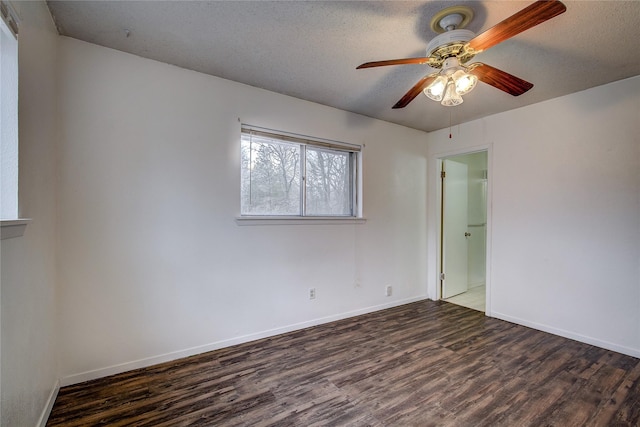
(449, 123)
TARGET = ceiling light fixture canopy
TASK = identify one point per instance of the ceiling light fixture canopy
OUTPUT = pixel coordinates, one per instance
(451, 83)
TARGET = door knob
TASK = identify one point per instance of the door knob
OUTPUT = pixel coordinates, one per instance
(467, 234)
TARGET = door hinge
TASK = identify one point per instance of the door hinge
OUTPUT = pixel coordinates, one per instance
(441, 276)
(443, 174)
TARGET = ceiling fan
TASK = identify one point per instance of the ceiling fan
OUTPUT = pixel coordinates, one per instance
(455, 46)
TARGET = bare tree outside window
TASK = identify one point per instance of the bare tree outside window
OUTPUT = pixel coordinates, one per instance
(328, 183)
(270, 177)
(294, 177)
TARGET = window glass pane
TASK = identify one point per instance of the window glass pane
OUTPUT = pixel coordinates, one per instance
(8, 123)
(270, 177)
(328, 183)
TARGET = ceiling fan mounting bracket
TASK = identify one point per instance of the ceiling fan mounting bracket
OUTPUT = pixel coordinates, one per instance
(454, 17)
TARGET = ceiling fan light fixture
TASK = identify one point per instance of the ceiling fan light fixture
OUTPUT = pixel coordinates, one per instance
(452, 82)
(464, 82)
(435, 90)
(451, 96)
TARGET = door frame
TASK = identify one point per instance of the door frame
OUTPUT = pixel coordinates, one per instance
(434, 284)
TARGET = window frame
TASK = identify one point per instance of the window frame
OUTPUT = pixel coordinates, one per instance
(11, 225)
(303, 142)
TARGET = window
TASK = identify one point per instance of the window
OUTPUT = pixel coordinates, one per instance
(291, 175)
(8, 114)
(10, 224)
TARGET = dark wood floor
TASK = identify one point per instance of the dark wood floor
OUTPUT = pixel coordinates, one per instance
(424, 364)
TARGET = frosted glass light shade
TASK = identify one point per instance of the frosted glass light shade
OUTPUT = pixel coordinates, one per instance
(464, 82)
(451, 97)
(435, 90)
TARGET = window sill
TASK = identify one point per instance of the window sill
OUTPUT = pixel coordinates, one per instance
(297, 220)
(10, 228)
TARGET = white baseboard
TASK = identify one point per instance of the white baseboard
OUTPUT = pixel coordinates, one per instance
(167, 357)
(568, 334)
(44, 417)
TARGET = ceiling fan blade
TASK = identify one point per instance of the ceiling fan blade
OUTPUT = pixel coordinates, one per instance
(499, 79)
(423, 60)
(532, 15)
(415, 90)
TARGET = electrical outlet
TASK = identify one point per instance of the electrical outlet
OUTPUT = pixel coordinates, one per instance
(312, 293)
(388, 290)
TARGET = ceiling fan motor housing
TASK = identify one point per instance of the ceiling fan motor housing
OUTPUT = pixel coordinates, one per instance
(448, 44)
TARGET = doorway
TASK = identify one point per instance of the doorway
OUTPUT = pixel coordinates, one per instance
(463, 230)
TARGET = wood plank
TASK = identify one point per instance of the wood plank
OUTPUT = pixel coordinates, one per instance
(426, 363)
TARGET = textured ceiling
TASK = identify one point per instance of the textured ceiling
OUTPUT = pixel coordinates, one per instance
(310, 49)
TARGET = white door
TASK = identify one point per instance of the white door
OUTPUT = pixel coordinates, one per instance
(454, 228)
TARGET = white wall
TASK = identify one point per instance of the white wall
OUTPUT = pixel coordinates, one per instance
(152, 263)
(29, 369)
(564, 232)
